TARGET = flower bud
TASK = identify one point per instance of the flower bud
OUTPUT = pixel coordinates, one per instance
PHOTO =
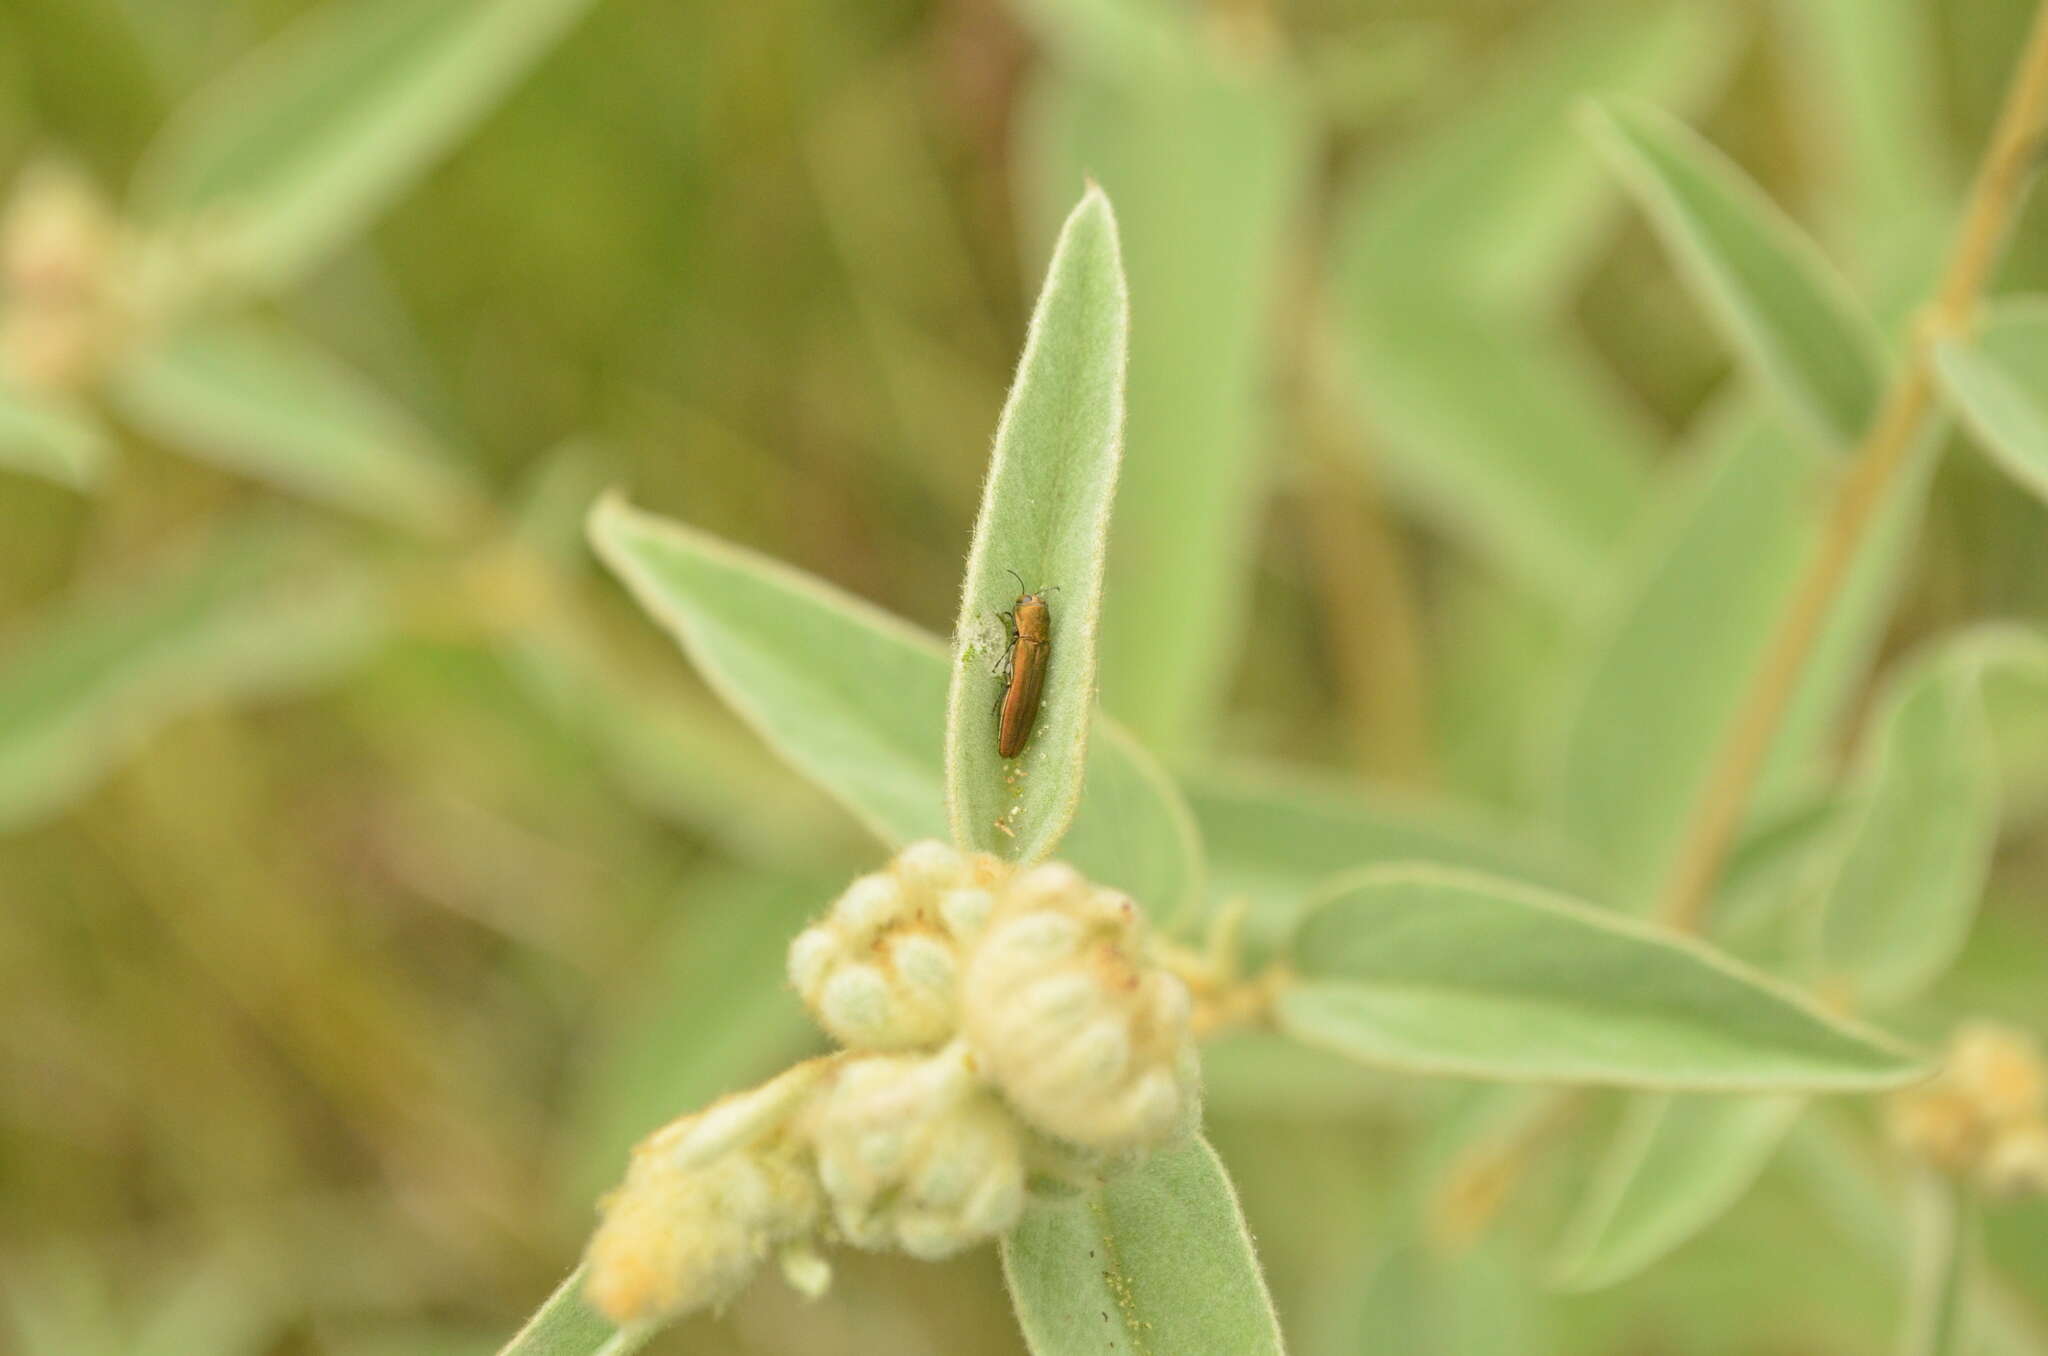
(1085, 1037)
(914, 1153)
(881, 971)
(705, 1200)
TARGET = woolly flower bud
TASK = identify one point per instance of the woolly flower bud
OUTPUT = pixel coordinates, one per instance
(915, 1153)
(1084, 1037)
(704, 1201)
(882, 969)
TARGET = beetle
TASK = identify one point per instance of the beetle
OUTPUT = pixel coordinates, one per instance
(1030, 651)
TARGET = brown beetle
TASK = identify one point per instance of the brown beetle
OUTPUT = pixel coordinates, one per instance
(1030, 652)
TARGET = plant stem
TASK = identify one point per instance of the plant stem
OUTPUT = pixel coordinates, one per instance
(1994, 201)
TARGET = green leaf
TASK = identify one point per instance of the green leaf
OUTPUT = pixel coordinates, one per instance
(313, 135)
(1456, 974)
(1676, 1165)
(1273, 838)
(1942, 1220)
(566, 1326)
(1995, 382)
(52, 439)
(259, 401)
(1904, 897)
(248, 612)
(855, 699)
(1203, 124)
(1782, 306)
(1158, 1260)
(1871, 73)
(1512, 444)
(1045, 517)
(1669, 669)
(1503, 198)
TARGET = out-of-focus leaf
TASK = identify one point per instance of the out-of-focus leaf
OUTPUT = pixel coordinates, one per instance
(1456, 974)
(1504, 199)
(51, 439)
(855, 699)
(1942, 1225)
(1420, 1303)
(315, 133)
(1905, 894)
(1784, 308)
(1676, 1164)
(1274, 839)
(1045, 517)
(259, 401)
(566, 1326)
(247, 612)
(1668, 672)
(1996, 381)
(1870, 73)
(1204, 152)
(1509, 443)
(1837, 1169)
(1159, 1259)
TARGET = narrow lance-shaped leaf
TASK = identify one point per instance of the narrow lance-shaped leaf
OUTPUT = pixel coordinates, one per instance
(1996, 381)
(566, 1326)
(855, 699)
(259, 401)
(1785, 310)
(1904, 896)
(1676, 1164)
(1045, 520)
(1157, 1260)
(51, 439)
(1451, 973)
(251, 611)
(1218, 125)
(315, 133)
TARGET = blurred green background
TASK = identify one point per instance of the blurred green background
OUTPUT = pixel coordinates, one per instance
(385, 885)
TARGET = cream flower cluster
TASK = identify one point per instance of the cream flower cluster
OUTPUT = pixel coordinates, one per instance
(1985, 1115)
(999, 1026)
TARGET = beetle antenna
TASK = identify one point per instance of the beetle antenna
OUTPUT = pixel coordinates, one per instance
(1020, 581)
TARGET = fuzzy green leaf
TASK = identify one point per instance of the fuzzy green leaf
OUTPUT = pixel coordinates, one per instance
(1158, 1260)
(259, 401)
(855, 699)
(51, 439)
(566, 1326)
(1942, 1223)
(301, 146)
(1045, 517)
(1784, 309)
(248, 612)
(1676, 1164)
(1997, 383)
(1451, 973)
(1200, 124)
(1902, 902)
